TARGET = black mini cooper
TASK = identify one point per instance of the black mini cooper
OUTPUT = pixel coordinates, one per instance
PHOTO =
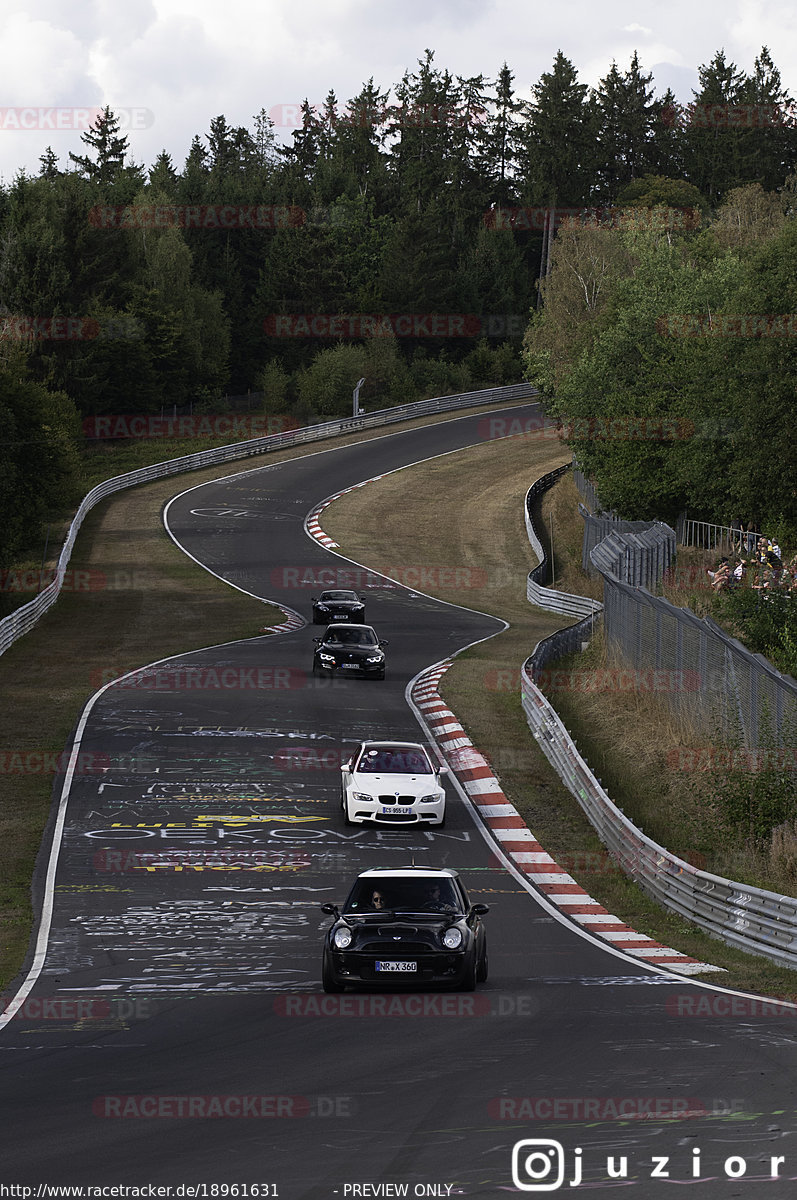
(349, 650)
(405, 927)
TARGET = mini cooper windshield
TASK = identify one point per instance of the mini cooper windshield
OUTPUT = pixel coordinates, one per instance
(401, 895)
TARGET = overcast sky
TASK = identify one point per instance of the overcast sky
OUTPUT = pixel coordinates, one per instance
(169, 66)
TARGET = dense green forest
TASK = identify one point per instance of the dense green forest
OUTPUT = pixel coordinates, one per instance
(670, 360)
(130, 289)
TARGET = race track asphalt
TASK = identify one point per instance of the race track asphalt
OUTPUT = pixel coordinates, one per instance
(177, 1033)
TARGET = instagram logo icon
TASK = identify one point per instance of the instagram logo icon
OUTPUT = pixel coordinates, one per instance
(538, 1165)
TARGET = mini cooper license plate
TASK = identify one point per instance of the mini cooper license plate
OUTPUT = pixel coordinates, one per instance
(396, 966)
(398, 809)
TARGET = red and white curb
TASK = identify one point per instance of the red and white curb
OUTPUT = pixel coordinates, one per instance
(294, 621)
(518, 842)
(313, 525)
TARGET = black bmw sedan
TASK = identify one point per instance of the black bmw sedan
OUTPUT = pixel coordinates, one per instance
(337, 604)
(349, 650)
(405, 927)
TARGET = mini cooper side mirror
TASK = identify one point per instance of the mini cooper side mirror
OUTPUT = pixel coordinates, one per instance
(330, 909)
(479, 910)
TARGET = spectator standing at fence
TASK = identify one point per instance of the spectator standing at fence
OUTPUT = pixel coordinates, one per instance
(751, 536)
(736, 533)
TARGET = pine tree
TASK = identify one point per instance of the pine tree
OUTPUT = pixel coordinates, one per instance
(627, 118)
(109, 148)
(49, 161)
(559, 157)
(498, 157)
(770, 139)
(714, 148)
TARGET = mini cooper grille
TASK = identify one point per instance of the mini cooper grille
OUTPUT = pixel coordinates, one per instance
(400, 949)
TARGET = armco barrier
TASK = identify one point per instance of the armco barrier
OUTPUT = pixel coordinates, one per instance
(19, 622)
(760, 922)
(547, 598)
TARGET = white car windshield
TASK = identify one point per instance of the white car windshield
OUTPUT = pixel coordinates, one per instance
(398, 760)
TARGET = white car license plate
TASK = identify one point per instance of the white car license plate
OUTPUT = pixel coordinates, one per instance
(397, 966)
(398, 809)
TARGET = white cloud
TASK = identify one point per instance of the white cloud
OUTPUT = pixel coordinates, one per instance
(189, 60)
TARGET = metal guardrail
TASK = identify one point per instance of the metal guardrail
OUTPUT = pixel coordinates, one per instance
(18, 623)
(752, 919)
(536, 593)
(760, 922)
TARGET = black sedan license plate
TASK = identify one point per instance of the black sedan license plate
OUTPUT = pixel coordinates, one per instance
(396, 966)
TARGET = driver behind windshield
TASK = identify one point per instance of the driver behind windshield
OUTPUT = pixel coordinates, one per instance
(406, 895)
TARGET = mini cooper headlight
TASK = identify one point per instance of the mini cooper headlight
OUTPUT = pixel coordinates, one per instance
(452, 939)
(342, 938)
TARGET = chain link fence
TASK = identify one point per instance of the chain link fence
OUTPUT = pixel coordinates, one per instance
(715, 681)
(750, 918)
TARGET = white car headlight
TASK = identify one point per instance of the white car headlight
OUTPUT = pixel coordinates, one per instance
(342, 938)
(361, 796)
(431, 799)
(452, 939)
